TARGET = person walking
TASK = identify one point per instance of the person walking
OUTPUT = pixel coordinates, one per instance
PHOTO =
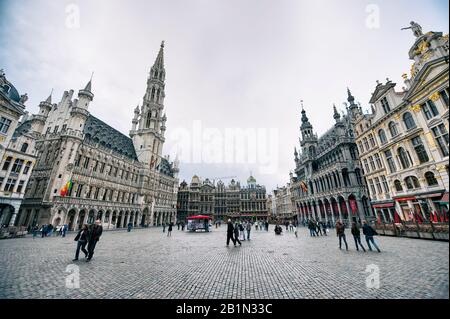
(369, 232)
(241, 231)
(95, 231)
(82, 238)
(169, 230)
(178, 224)
(35, 231)
(324, 228)
(357, 236)
(267, 226)
(164, 227)
(318, 229)
(230, 233)
(249, 229)
(236, 235)
(182, 226)
(130, 225)
(340, 231)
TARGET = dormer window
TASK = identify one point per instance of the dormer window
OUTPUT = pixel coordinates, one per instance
(7, 88)
(385, 105)
(429, 110)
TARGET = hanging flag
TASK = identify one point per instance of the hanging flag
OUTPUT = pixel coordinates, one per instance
(303, 186)
(66, 188)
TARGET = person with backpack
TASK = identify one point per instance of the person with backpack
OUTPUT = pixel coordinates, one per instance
(369, 232)
(357, 236)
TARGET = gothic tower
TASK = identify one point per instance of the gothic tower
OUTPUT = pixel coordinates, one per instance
(149, 123)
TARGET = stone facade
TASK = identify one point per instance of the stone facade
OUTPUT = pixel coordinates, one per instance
(403, 142)
(284, 210)
(328, 182)
(17, 154)
(220, 201)
(115, 178)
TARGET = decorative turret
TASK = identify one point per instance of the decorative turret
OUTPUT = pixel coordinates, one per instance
(353, 107)
(38, 120)
(135, 118)
(85, 96)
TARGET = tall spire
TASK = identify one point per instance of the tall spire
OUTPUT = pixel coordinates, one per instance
(336, 115)
(159, 63)
(350, 98)
(49, 99)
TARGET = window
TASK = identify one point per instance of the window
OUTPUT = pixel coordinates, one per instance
(382, 136)
(372, 188)
(412, 182)
(385, 105)
(393, 129)
(79, 189)
(24, 148)
(390, 161)
(378, 160)
(64, 127)
(95, 166)
(361, 148)
(96, 193)
(429, 109)
(444, 96)
(441, 135)
(385, 184)
(55, 130)
(378, 184)
(372, 163)
(78, 160)
(398, 186)
(403, 157)
(102, 168)
(86, 162)
(420, 150)
(431, 179)
(4, 125)
(17, 167)
(366, 165)
(7, 163)
(409, 121)
(10, 183)
(371, 140)
(20, 186)
(366, 143)
(48, 130)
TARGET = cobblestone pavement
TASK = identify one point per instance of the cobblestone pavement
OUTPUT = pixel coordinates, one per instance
(147, 264)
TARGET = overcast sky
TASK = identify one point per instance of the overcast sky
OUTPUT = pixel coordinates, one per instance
(230, 64)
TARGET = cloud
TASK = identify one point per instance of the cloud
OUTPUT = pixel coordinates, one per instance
(243, 64)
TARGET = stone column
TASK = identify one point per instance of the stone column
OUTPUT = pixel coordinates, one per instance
(349, 210)
(16, 206)
(340, 210)
(361, 212)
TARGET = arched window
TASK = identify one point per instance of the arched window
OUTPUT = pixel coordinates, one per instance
(403, 156)
(398, 186)
(149, 117)
(24, 147)
(382, 136)
(393, 129)
(431, 179)
(156, 74)
(157, 95)
(153, 93)
(409, 121)
(412, 182)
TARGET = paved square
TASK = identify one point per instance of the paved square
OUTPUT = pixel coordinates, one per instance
(147, 264)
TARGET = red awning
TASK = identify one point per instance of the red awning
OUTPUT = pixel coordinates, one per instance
(444, 198)
(404, 199)
(199, 217)
(383, 205)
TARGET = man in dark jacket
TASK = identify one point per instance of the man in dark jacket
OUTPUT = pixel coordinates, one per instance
(369, 232)
(340, 231)
(357, 236)
(95, 231)
(230, 233)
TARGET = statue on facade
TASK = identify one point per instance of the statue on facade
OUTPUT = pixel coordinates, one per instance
(416, 29)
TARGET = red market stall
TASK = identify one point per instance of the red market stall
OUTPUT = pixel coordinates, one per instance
(199, 222)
